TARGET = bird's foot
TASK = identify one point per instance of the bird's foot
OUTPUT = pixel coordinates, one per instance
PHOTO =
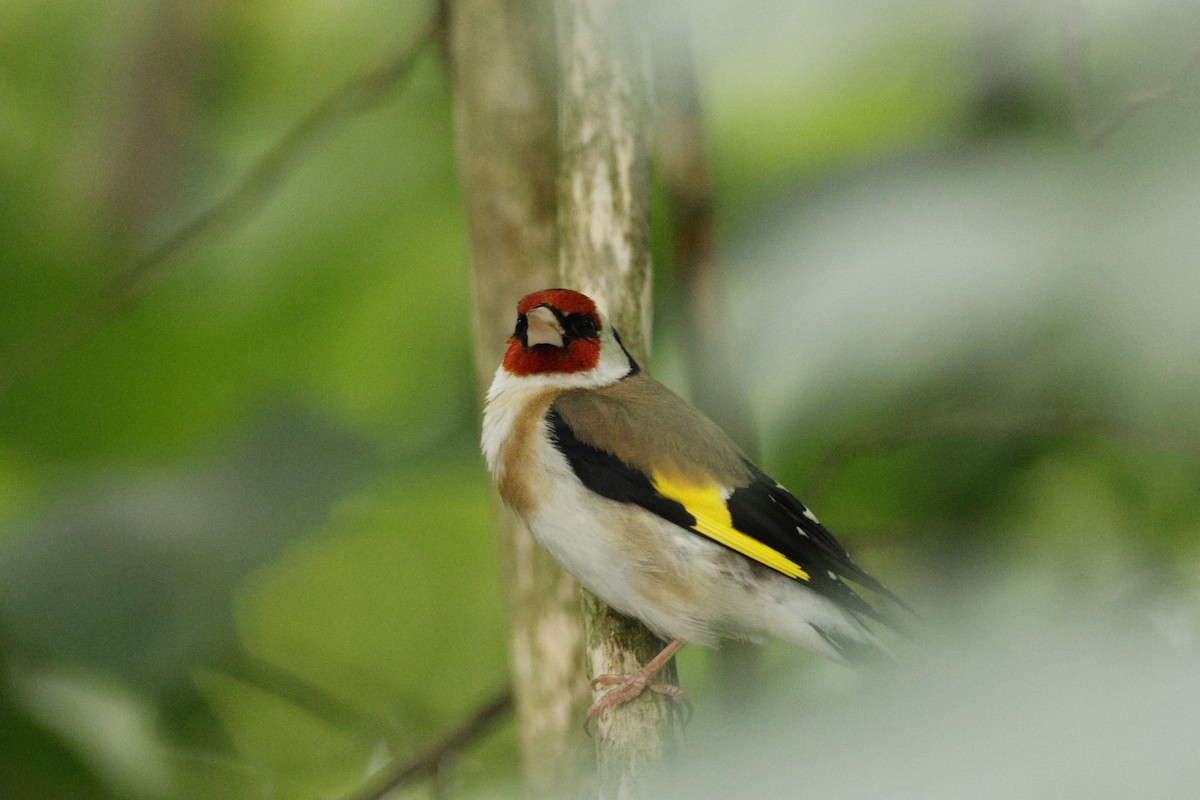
(628, 686)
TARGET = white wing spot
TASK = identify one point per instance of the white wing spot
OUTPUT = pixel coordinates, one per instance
(801, 531)
(832, 575)
(811, 515)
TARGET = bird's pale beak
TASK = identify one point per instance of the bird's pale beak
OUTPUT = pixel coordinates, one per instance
(543, 328)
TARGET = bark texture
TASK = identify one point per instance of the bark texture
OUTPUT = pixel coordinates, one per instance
(604, 177)
(603, 213)
(500, 56)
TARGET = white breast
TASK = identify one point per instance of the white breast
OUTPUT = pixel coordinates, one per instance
(572, 522)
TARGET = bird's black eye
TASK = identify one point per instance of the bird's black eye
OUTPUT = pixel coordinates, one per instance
(579, 326)
(522, 328)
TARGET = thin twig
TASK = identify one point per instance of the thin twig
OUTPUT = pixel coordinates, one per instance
(135, 280)
(312, 699)
(1095, 132)
(429, 762)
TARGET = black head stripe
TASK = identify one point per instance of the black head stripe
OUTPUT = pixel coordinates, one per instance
(521, 332)
(579, 326)
(633, 364)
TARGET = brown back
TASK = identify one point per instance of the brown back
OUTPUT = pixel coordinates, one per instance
(651, 428)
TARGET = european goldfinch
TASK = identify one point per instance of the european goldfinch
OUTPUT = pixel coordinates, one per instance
(651, 506)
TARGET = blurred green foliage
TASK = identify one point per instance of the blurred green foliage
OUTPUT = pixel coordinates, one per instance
(245, 545)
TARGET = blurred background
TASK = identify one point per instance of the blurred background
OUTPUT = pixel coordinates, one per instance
(245, 545)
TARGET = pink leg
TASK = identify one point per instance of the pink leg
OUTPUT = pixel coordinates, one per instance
(627, 687)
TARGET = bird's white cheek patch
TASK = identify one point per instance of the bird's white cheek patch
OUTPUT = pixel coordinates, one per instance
(706, 502)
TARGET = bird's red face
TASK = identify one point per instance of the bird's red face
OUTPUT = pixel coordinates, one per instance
(558, 330)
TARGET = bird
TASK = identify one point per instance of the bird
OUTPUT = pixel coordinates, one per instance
(653, 508)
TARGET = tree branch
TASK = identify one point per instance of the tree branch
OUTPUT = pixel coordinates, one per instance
(132, 283)
(431, 761)
(603, 213)
(1094, 132)
(604, 175)
(500, 55)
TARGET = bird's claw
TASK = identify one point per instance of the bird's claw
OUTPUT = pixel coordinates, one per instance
(627, 687)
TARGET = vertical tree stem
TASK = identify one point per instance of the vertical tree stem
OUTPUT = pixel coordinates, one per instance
(500, 55)
(604, 187)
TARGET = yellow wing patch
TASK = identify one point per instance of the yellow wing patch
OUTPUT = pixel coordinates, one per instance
(705, 503)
